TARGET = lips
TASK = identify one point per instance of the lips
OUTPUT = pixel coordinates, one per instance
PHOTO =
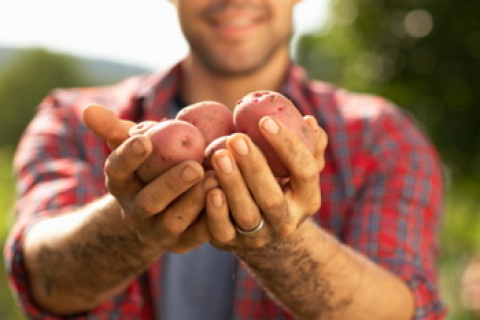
(240, 22)
(235, 19)
(237, 24)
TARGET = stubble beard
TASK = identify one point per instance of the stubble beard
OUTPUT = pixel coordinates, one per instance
(226, 64)
(233, 62)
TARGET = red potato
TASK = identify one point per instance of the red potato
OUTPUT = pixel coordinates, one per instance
(212, 118)
(141, 127)
(256, 105)
(217, 144)
(173, 141)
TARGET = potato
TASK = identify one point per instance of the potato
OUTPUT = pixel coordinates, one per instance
(173, 141)
(212, 118)
(141, 127)
(217, 144)
(256, 105)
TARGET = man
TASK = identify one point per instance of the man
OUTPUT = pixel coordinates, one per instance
(234, 244)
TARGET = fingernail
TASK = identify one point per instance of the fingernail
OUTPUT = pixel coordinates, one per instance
(225, 164)
(189, 174)
(312, 123)
(310, 118)
(137, 147)
(271, 126)
(217, 199)
(240, 146)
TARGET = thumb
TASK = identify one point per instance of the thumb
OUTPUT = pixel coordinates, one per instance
(106, 125)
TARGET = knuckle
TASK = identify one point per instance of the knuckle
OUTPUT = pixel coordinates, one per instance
(313, 205)
(224, 237)
(112, 168)
(171, 228)
(284, 231)
(174, 185)
(257, 243)
(147, 203)
(110, 185)
(308, 171)
(321, 163)
(250, 220)
(320, 134)
(108, 167)
(323, 138)
(273, 204)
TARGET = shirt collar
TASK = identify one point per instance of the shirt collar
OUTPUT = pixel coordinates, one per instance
(296, 86)
(154, 97)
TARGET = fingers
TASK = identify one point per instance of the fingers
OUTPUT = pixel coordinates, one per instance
(120, 166)
(190, 228)
(170, 185)
(288, 147)
(249, 194)
(168, 205)
(262, 185)
(321, 141)
(195, 235)
(219, 222)
(299, 160)
(243, 208)
(223, 230)
(182, 213)
(106, 125)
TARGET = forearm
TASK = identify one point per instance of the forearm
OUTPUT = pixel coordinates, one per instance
(316, 277)
(78, 260)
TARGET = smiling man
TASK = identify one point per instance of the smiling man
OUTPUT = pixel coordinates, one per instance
(92, 241)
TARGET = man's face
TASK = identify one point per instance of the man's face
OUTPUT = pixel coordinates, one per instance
(236, 37)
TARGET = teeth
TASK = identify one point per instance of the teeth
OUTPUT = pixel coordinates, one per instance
(239, 22)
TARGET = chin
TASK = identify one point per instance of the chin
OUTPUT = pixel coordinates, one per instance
(237, 60)
(235, 65)
(234, 71)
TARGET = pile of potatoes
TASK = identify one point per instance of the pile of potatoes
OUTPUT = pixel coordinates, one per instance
(203, 128)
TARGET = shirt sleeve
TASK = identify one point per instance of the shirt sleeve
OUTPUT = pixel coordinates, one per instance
(395, 217)
(59, 167)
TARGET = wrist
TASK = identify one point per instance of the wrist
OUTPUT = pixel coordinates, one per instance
(309, 237)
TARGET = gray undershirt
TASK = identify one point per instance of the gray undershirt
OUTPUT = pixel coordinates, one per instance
(198, 285)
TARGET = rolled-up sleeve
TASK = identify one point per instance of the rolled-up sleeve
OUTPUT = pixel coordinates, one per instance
(395, 217)
(59, 166)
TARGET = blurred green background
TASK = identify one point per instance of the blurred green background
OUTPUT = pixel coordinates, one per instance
(424, 55)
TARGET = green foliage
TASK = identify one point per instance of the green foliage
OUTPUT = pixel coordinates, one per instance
(7, 190)
(25, 81)
(8, 309)
(423, 54)
(459, 242)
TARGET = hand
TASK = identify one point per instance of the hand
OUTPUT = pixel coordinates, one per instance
(250, 194)
(163, 213)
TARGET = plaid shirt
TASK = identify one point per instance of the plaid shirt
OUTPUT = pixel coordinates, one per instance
(381, 186)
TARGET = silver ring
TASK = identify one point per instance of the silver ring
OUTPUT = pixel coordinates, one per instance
(250, 232)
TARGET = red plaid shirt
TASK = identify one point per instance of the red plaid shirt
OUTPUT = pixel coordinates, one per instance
(381, 186)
